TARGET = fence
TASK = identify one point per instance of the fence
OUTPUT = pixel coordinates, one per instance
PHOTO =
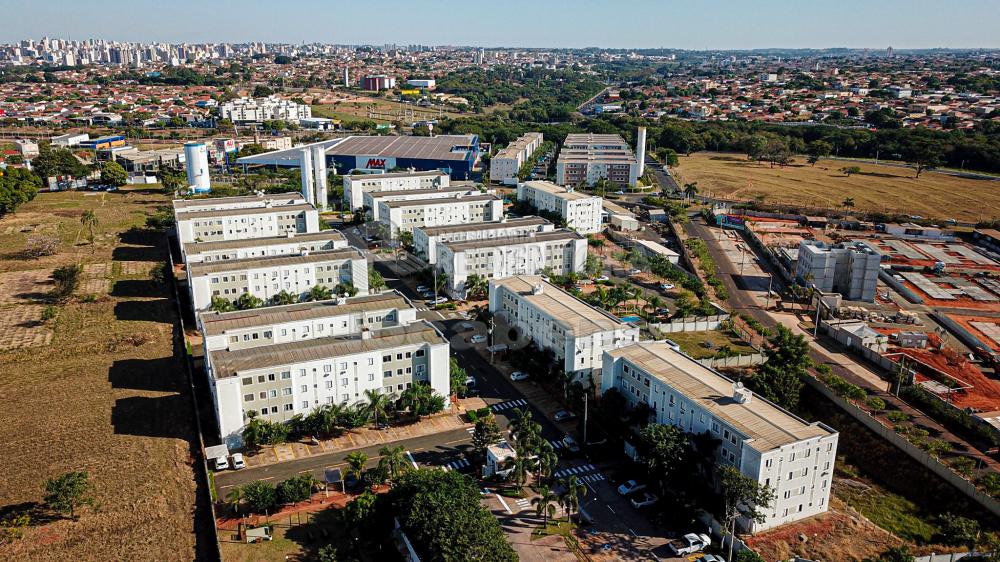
(734, 361)
(899, 287)
(691, 324)
(916, 453)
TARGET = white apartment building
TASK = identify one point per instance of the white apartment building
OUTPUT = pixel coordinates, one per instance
(426, 240)
(772, 446)
(288, 244)
(586, 158)
(650, 248)
(373, 198)
(581, 212)
(241, 224)
(357, 184)
(239, 202)
(272, 108)
(270, 325)
(281, 380)
(577, 333)
(850, 269)
(505, 164)
(404, 216)
(268, 276)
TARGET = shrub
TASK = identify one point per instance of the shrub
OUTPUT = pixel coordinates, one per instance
(957, 530)
(897, 416)
(747, 556)
(67, 279)
(876, 403)
(49, 313)
(261, 497)
(963, 465)
(41, 245)
(991, 483)
(296, 489)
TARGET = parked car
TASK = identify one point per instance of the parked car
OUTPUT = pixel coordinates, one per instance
(238, 462)
(635, 272)
(439, 300)
(519, 376)
(478, 338)
(570, 444)
(221, 463)
(712, 558)
(666, 286)
(645, 500)
(630, 487)
(423, 289)
(602, 279)
(563, 415)
(619, 192)
(689, 544)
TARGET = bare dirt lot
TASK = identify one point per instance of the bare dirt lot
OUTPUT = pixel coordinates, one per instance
(103, 392)
(876, 188)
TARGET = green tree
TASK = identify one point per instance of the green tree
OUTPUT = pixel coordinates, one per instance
(779, 378)
(755, 146)
(296, 489)
(924, 155)
(262, 432)
(89, 221)
(234, 498)
(328, 552)
(260, 496)
(958, 531)
(670, 157)
(487, 432)
(17, 187)
(66, 279)
(819, 149)
(405, 239)
(849, 170)
(847, 203)
(375, 280)
(246, 301)
(393, 461)
(664, 449)
(358, 513)
(377, 405)
(220, 304)
(545, 504)
(748, 556)
(690, 190)
(69, 492)
(171, 180)
(319, 293)
(112, 173)
(356, 462)
(284, 297)
(893, 554)
(742, 496)
(345, 289)
(457, 376)
(593, 266)
(573, 490)
(477, 287)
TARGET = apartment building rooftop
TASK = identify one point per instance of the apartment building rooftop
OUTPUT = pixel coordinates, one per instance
(228, 363)
(295, 208)
(557, 190)
(181, 204)
(508, 223)
(561, 234)
(447, 201)
(575, 316)
(416, 192)
(594, 139)
(518, 145)
(215, 323)
(207, 268)
(199, 247)
(767, 426)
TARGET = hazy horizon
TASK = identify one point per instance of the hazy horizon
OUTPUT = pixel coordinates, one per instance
(628, 24)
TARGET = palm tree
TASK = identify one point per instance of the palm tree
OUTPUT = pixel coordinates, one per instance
(234, 498)
(690, 190)
(356, 462)
(518, 465)
(393, 461)
(848, 203)
(545, 505)
(546, 459)
(284, 297)
(476, 286)
(319, 293)
(570, 497)
(89, 220)
(378, 404)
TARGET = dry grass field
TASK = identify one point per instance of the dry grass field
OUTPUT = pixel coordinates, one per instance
(104, 392)
(877, 188)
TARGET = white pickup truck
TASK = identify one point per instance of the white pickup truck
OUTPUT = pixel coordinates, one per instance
(689, 544)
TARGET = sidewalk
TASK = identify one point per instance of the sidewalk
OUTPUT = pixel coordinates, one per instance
(366, 437)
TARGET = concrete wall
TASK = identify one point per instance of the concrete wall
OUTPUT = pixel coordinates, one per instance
(691, 324)
(734, 361)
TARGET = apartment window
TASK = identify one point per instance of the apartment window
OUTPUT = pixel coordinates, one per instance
(387, 374)
(302, 372)
(715, 427)
(767, 463)
(234, 339)
(271, 377)
(343, 382)
(386, 358)
(289, 407)
(247, 380)
(371, 361)
(305, 404)
(725, 434)
(371, 377)
(408, 355)
(305, 388)
(329, 384)
(287, 391)
(790, 476)
(261, 378)
(327, 368)
(285, 375)
(272, 393)
(263, 396)
(248, 397)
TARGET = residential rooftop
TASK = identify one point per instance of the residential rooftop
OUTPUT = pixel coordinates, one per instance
(357, 177)
(228, 363)
(445, 201)
(207, 214)
(416, 192)
(181, 204)
(207, 268)
(492, 225)
(199, 247)
(215, 323)
(766, 426)
(557, 190)
(561, 234)
(572, 314)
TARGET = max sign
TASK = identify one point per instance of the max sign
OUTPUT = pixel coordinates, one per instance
(374, 162)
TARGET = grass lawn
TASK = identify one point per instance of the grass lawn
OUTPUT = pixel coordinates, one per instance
(555, 527)
(691, 343)
(889, 511)
(107, 395)
(877, 188)
(350, 111)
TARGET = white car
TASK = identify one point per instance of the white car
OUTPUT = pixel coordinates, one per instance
(221, 463)
(238, 462)
(602, 279)
(478, 338)
(439, 300)
(630, 487)
(666, 286)
(519, 376)
(423, 289)
(635, 272)
(570, 444)
(619, 192)
(646, 499)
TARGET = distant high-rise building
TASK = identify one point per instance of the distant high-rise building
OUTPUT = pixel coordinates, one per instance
(480, 56)
(889, 52)
(347, 77)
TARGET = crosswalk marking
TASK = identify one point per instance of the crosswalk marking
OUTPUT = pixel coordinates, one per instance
(471, 430)
(458, 465)
(591, 478)
(509, 404)
(523, 503)
(556, 444)
(575, 470)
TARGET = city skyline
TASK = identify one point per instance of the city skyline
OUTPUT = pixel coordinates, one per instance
(777, 24)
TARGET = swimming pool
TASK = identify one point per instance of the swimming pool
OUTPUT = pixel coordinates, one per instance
(631, 319)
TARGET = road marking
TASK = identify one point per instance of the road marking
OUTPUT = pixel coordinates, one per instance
(456, 441)
(459, 464)
(409, 456)
(304, 471)
(633, 533)
(224, 487)
(268, 478)
(504, 504)
(609, 509)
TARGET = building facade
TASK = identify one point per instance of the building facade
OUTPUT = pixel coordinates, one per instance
(239, 202)
(276, 382)
(404, 216)
(578, 334)
(289, 244)
(273, 108)
(241, 224)
(426, 240)
(586, 158)
(373, 198)
(355, 186)
(582, 213)
(505, 165)
(266, 277)
(850, 269)
(764, 442)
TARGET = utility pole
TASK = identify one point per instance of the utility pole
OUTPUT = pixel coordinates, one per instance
(767, 301)
(585, 395)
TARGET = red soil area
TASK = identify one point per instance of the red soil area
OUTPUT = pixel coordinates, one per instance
(959, 302)
(985, 392)
(965, 322)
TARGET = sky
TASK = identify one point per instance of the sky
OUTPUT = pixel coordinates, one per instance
(680, 24)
